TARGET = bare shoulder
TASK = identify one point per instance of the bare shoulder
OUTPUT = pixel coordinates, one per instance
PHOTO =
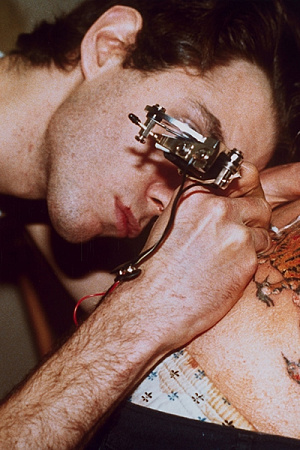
(253, 354)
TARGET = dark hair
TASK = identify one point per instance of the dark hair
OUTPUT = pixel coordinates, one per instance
(202, 33)
(197, 33)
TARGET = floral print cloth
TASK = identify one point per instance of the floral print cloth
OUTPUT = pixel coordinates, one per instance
(179, 386)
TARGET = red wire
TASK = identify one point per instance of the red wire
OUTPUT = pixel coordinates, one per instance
(101, 294)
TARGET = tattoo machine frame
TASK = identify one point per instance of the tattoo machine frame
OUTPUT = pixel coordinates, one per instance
(204, 159)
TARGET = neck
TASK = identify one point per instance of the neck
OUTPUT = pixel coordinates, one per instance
(29, 97)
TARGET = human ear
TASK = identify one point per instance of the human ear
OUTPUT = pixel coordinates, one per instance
(107, 40)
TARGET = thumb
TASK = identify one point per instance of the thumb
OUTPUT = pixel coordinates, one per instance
(261, 239)
(281, 184)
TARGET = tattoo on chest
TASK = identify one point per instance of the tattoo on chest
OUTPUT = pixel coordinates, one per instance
(286, 259)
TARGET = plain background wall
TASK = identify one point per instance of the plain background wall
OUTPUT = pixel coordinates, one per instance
(17, 348)
(22, 15)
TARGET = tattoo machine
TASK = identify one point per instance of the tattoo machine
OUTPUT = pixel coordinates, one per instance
(204, 159)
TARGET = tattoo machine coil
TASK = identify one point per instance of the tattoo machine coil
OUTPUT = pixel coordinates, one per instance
(204, 159)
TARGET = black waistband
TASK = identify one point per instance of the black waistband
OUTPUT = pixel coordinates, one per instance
(133, 427)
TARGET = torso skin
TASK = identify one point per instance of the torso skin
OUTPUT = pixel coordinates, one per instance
(249, 352)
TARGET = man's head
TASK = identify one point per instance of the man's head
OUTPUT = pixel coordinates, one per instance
(207, 62)
(202, 33)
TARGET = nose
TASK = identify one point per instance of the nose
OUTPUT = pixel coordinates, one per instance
(158, 197)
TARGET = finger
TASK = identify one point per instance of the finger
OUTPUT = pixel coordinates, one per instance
(262, 240)
(281, 183)
(253, 211)
(248, 184)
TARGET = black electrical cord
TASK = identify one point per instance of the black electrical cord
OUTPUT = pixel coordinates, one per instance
(130, 270)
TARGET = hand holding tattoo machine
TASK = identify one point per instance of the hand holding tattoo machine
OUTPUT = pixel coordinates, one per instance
(205, 160)
(202, 159)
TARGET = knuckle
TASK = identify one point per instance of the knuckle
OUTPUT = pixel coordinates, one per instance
(221, 207)
(243, 237)
(242, 241)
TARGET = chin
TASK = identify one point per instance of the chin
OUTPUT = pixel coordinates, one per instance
(73, 235)
(71, 230)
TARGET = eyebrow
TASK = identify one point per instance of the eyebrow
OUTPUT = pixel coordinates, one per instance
(212, 124)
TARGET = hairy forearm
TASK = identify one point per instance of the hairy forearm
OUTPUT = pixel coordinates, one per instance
(170, 303)
(80, 383)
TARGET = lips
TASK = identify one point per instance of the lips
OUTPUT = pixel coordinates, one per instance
(127, 225)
